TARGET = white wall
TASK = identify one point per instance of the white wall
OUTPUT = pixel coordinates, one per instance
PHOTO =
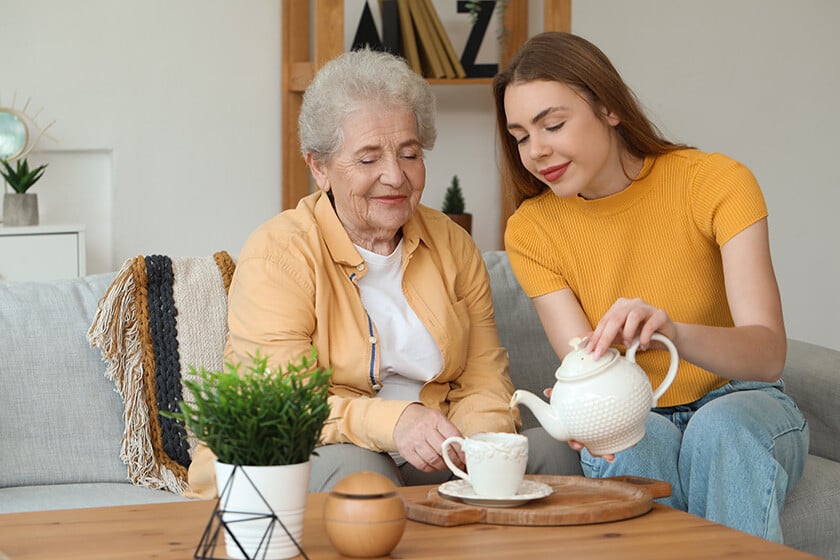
(167, 119)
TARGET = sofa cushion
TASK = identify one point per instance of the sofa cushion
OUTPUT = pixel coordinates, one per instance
(809, 520)
(811, 379)
(71, 496)
(532, 360)
(54, 387)
(160, 317)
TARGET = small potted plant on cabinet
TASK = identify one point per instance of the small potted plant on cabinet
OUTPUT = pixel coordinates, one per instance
(454, 206)
(263, 425)
(20, 208)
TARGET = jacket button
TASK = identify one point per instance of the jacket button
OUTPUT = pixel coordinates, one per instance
(372, 340)
(361, 267)
(377, 387)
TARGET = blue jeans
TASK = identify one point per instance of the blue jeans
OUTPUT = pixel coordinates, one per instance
(731, 457)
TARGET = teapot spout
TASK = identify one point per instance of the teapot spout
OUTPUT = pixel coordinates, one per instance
(543, 412)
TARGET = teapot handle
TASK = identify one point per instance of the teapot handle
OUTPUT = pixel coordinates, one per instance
(672, 370)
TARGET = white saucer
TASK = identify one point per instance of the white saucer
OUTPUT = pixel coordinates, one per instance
(462, 491)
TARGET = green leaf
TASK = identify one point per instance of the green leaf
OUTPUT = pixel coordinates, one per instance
(20, 178)
(256, 415)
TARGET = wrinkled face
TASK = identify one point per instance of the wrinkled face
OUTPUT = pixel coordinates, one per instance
(377, 175)
(562, 141)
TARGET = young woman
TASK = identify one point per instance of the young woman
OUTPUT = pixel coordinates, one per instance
(620, 233)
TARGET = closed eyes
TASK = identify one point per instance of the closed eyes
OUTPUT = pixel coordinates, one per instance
(554, 128)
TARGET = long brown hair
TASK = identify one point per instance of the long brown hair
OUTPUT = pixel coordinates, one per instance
(572, 60)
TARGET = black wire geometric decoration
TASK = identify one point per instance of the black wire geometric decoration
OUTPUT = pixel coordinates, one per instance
(206, 548)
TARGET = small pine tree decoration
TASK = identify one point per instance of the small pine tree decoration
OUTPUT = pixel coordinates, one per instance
(453, 201)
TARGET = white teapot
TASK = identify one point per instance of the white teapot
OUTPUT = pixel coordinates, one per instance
(601, 403)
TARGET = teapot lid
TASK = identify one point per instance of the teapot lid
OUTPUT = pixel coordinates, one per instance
(579, 363)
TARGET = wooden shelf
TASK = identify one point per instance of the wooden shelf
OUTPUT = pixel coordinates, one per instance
(300, 62)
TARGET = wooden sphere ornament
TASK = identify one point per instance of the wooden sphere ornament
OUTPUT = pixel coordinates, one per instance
(364, 517)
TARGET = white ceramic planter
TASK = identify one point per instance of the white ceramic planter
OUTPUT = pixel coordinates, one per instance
(284, 487)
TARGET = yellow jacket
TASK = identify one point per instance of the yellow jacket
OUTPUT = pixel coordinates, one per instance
(295, 285)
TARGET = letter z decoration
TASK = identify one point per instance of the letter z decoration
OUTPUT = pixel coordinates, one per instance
(481, 22)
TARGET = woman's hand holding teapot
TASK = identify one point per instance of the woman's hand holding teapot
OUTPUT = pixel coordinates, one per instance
(626, 320)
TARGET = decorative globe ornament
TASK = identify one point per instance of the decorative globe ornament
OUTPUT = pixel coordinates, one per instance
(364, 517)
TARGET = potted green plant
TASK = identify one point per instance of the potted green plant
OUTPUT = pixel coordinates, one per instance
(266, 422)
(455, 207)
(20, 208)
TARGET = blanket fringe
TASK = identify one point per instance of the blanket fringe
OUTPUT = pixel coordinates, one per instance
(116, 332)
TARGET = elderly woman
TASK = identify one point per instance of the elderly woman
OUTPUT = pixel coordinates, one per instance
(394, 295)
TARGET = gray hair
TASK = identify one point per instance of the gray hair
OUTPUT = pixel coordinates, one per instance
(354, 78)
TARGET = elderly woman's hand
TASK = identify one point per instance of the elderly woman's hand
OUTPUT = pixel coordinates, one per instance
(419, 433)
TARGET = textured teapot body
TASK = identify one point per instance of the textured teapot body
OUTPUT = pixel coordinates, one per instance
(607, 410)
(601, 403)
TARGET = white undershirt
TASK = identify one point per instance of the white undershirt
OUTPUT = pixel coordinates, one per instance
(408, 355)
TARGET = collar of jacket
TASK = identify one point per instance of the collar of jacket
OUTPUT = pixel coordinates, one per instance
(338, 242)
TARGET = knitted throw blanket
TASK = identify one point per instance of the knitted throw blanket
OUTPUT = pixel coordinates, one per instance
(160, 316)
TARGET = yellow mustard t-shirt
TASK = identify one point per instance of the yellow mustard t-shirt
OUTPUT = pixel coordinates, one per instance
(659, 240)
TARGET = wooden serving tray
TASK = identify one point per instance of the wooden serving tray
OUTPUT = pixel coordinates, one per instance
(575, 500)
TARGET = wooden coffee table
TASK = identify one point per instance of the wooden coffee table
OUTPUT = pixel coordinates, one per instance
(172, 531)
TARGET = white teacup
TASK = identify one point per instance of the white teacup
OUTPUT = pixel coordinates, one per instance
(495, 460)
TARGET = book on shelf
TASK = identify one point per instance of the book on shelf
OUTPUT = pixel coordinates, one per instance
(429, 14)
(423, 39)
(391, 40)
(454, 63)
(407, 39)
(427, 44)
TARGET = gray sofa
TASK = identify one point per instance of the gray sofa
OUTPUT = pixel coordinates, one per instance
(61, 419)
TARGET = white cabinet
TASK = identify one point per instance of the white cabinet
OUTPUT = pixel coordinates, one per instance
(45, 252)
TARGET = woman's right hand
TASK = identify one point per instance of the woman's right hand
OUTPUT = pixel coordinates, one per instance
(419, 434)
(626, 320)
